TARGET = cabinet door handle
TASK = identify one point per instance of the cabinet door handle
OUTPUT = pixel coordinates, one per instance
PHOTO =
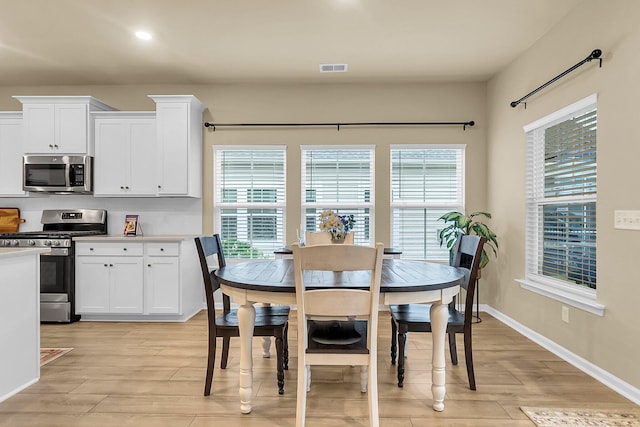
(122, 187)
(90, 249)
(148, 265)
(50, 146)
(110, 265)
(106, 265)
(124, 249)
(161, 249)
(55, 145)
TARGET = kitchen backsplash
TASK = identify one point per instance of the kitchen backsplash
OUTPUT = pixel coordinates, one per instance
(156, 215)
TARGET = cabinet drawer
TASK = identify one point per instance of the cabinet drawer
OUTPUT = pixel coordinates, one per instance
(162, 249)
(109, 249)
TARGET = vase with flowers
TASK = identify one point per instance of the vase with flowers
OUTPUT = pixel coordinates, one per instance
(336, 225)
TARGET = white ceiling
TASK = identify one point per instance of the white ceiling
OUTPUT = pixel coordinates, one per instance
(85, 42)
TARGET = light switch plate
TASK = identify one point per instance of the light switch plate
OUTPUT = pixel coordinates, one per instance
(626, 220)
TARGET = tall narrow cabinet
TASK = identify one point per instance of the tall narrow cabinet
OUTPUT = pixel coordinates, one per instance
(179, 136)
(11, 154)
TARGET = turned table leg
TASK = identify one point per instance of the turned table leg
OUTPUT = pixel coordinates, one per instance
(246, 322)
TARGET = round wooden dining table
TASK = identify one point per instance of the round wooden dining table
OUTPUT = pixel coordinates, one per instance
(403, 282)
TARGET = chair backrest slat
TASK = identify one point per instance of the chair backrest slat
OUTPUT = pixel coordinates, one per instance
(314, 238)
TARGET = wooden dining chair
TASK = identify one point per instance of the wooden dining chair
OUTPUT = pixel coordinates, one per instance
(270, 321)
(318, 301)
(416, 317)
(313, 238)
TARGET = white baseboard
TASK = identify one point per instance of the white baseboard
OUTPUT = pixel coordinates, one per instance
(616, 384)
(18, 389)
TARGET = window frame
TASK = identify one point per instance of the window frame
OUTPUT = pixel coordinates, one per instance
(459, 205)
(341, 207)
(218, 206)
(575, 295)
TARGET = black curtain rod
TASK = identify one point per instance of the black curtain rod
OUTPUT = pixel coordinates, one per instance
(594, 55)
(337, 125)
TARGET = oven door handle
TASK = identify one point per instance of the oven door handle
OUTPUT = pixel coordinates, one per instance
(57, 252)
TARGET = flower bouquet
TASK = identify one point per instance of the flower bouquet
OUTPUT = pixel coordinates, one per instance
(337, 225)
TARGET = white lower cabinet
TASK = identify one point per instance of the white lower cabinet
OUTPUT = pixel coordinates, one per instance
(162, 278)
(137, 281)
(109, 284)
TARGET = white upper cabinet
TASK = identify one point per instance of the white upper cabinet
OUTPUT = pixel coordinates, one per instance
(179, 135)
(11, 154)
(125, 162)
(59, 124)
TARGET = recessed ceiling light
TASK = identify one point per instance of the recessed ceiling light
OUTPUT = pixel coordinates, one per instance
(144, 35)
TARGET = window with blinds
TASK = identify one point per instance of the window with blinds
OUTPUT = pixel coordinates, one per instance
(561, 196)
(249, 199)
(426, 182)
(340, 179)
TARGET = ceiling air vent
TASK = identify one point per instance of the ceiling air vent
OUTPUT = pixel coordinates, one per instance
(333, 68)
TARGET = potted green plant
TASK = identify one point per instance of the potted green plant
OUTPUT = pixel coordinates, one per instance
(459, 223)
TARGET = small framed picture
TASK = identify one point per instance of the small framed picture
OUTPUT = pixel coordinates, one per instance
(131, 225)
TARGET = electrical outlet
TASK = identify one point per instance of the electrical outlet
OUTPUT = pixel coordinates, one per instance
(565, 314)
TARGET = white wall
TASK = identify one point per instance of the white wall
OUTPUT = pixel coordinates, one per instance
(610, 342)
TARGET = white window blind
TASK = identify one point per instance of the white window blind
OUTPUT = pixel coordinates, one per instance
(340, 179)
(249, 199)
(561, 197)
(426, 182)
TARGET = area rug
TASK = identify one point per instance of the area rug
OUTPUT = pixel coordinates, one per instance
(49, 354)
(576, 417)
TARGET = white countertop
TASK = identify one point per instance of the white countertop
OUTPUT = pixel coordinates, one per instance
(147, 238)
(12, 252)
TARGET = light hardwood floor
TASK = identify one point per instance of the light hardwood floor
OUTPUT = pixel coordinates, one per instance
(152, 374)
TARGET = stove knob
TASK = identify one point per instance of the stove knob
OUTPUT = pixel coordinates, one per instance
(56, 243)
(3, 242)
(32, 243)
(47, 242)
(15, 243)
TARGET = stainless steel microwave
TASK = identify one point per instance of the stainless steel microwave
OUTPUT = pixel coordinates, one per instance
(58, 174)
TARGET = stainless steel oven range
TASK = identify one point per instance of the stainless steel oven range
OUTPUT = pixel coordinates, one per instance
(57, 268)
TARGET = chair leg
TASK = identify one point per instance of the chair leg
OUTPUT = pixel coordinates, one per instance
(364, 375)
(374, 417)
(211, 360)
(301, 400)
(280, 360)
(402, 339)
(394, 346)
(468, 354)
(266, 347)
(285, 359)
(453, 350)
(225, 352)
